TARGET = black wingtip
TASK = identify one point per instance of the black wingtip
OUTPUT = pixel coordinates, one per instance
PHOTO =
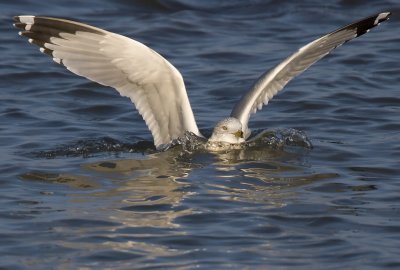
(370, 22)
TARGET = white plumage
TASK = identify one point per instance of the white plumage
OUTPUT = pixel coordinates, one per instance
(134, 70)
(155, 86)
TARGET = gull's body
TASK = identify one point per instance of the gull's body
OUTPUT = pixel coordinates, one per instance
(155, 86)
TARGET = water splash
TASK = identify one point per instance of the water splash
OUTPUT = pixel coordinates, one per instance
(280, 138)
(187, 144)
(89, 147)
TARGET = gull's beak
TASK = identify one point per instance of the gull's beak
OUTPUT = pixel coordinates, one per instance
(238, 134)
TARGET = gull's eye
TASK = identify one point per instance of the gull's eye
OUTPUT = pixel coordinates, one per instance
(224, 127)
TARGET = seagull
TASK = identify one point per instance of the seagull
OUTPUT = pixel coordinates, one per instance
(155, 86)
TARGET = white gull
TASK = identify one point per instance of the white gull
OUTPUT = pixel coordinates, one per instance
(155, 86)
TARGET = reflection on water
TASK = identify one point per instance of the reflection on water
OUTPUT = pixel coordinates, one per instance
(189, 203)
(75, 181)
(150, 191)
(263, 175)
(151, 188)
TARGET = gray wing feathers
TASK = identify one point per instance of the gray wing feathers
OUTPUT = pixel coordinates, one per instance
(270, 83)
(134, 70)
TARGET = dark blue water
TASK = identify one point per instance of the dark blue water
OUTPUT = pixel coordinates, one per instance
(81, 185)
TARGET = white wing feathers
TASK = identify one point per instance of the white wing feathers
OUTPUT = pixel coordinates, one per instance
(273, 81)
(134, 70)
(151, 82)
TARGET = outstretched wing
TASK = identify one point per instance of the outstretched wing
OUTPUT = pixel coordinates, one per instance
(154, 85)
(274, 80)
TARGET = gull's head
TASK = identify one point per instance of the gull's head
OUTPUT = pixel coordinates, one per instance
(228, 130)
